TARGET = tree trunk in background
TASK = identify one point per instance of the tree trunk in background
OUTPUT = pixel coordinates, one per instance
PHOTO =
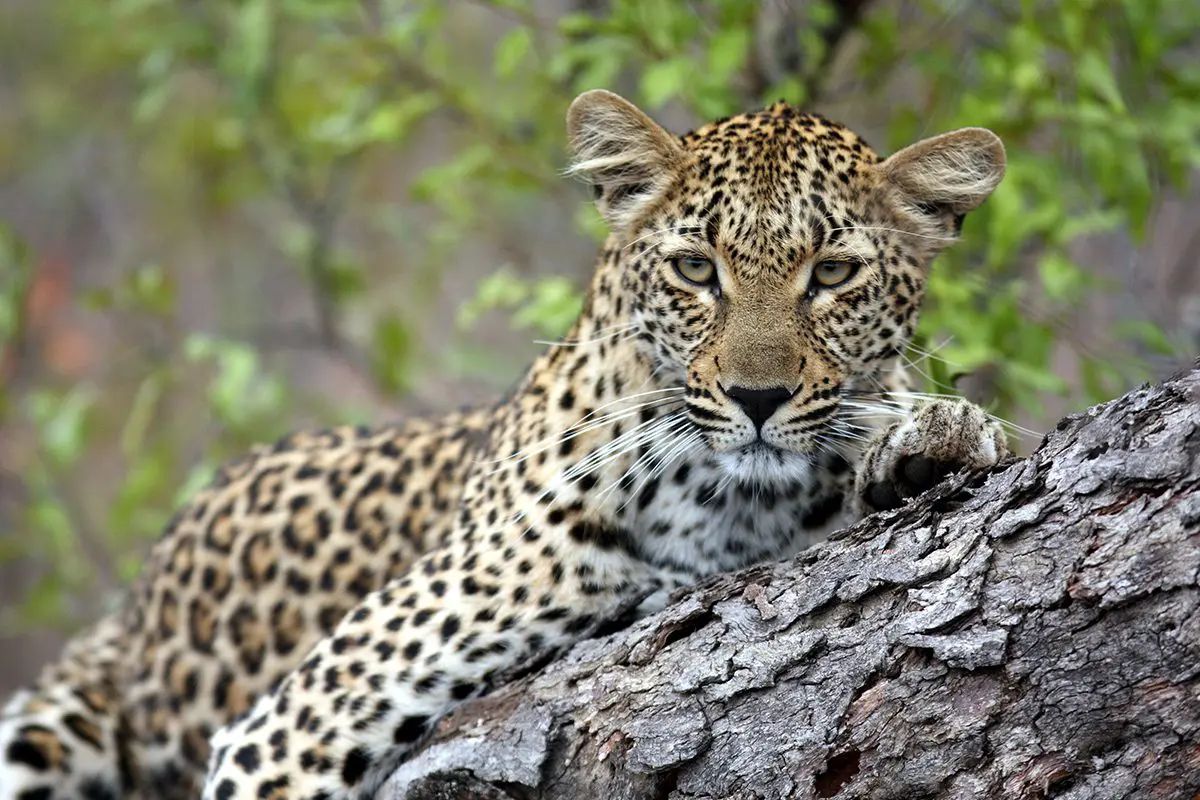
(1034, 634)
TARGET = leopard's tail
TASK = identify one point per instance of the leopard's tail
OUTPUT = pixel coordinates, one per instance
(62, 738)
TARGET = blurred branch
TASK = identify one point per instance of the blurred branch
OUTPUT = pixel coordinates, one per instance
(298, 337)
(15, 292)
(847, 14)
(521, 16)
(321, 224)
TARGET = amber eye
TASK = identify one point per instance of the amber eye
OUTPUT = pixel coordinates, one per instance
(828, 274)
(696, 269)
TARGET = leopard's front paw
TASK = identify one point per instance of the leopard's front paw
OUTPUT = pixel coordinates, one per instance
(940, 437)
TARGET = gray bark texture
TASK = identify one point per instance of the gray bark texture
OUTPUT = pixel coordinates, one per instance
(1033, 633)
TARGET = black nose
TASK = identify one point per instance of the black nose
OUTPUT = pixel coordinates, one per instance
(759, 404)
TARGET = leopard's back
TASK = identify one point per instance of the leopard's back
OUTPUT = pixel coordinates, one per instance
(248, 575)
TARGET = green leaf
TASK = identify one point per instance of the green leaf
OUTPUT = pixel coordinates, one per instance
(577, 25)
(589, 222)
(511, 51)
(1061, 278)
(1035, 379)
(548, 305)
(250, 47)
(141, 414)
(241, 393)
(1095, 74)
(664, 81)
(61, 421)
(392, 122)
(727, 53)
(343, 281)
(392, 353)
(555, 304)
(152, 289)
(501, 289)
(199, 476)
(1148, 335)
(45, 603)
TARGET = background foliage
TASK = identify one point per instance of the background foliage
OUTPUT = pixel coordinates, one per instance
(284, 114)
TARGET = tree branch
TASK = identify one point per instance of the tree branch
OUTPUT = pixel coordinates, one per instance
(779, 50)
(1034, 633)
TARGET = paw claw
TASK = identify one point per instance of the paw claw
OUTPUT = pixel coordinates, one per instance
(882, 496)
(918, 473)
(918, 470)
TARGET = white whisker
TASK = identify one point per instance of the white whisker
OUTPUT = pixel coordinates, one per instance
(558, 439)
(683, 442)
(603, 456)
(622, 444)
(625, 331)
(914, 396)
(592, 422)
(667, 432)
(720, 488)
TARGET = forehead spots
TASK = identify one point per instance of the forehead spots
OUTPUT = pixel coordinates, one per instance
(766, 190)
(778, 143)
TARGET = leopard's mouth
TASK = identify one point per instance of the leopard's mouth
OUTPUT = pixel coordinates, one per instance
(761, 463)
(760, 448)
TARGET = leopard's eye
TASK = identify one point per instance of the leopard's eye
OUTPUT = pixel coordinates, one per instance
(828, 274)
(696, 269)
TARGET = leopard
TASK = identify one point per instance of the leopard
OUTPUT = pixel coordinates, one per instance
(734, 390)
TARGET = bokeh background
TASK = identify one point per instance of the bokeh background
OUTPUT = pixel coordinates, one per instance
(223, 219)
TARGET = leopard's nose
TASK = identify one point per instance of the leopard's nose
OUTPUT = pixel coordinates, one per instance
(759, 404)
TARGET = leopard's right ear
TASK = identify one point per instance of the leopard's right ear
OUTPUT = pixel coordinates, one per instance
(628, 158)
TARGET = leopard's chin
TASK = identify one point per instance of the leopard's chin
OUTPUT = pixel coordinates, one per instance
(762, 464)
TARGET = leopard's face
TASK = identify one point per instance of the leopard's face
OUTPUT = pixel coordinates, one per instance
(772, 278)
(775, 264)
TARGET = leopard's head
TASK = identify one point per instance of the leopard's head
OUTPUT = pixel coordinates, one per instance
(772, 260)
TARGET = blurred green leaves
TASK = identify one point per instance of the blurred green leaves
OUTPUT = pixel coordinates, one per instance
(1098, 112)
(548, 305)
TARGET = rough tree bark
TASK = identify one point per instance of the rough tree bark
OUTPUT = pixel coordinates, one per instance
(1031, 634)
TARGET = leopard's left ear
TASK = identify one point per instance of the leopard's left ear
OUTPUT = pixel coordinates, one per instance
(946, 176)
(628, 158)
